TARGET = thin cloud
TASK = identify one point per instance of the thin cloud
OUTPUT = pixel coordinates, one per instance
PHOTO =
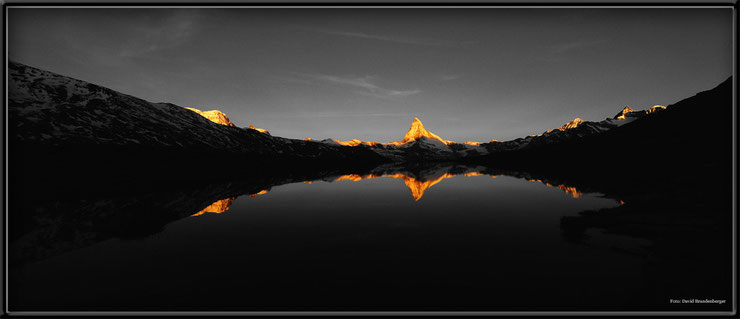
(449, 77)
(398, 39)
(570, 46)
(172, 31)
(347, 115)
(361, 85)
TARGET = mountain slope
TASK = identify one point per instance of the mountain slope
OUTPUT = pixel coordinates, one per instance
(671, 144)
(417, 131)
(59, 125)
(420, 144)
(214, 116)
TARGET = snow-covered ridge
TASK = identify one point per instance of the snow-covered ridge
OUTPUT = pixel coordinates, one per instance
(420, 139)
(47, 109)
(214, 116)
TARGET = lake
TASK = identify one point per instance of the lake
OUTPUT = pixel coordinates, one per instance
(438, 239)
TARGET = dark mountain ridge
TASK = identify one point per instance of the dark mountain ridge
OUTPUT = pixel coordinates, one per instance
(63, 127)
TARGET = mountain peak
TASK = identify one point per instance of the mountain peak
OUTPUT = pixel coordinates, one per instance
(214, 116)
(623, 112)
(417, 131)
(572, 124)
(655, 109)
(261, 130)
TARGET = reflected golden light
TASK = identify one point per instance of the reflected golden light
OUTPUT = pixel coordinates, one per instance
(264, 191)
(308, 182)
(416, 186)
(570, 190)
(217, 207)
(419, 186)
(350, 177)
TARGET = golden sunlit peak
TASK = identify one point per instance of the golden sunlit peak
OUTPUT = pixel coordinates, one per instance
(258, 129)
(417, 131)
(354, 142)
(214, 116)
(621, 114)
(572, 124)
(472, 143)
(307, 139)
(656, 108)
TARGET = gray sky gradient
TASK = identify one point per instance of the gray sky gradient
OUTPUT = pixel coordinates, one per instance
(468, 74)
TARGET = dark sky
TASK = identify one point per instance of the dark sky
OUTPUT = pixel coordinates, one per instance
(468, 74)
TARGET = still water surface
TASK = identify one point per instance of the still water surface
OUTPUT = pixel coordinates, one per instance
(440, 242)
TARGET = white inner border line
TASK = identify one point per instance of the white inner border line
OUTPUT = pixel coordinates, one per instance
(374, 313)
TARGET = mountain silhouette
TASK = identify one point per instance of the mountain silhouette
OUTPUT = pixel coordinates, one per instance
(87, 128)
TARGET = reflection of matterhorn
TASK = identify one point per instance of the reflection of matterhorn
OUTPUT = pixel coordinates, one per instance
(419, 178)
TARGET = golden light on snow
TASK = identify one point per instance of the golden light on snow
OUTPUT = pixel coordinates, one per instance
(572, 124)
(624, 111)
(258, 129)
(416, 131)
(656, 108)
(214, 116)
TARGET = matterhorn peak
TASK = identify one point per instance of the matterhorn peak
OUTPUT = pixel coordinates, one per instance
(417, 131)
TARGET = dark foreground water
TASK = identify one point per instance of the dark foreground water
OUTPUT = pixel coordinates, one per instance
(441, 240)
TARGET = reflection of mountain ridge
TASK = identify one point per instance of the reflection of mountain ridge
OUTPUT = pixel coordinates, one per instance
(417, 178)
(54, 226)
